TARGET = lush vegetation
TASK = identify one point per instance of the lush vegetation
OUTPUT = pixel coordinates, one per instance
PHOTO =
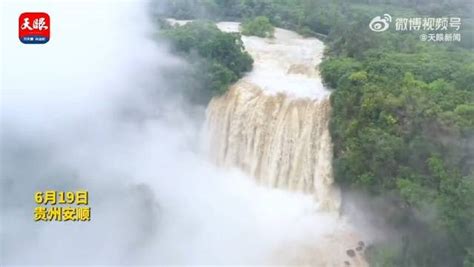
(403, 116)
(314, 17)
(258, 26)
(403, 125)
(403, 128)
(217, 58)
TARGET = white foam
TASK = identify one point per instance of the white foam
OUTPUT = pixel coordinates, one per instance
(284, 64)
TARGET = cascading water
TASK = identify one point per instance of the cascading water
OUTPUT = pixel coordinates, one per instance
(273, 123)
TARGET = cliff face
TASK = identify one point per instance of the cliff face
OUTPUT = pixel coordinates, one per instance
(283, 142)
(273, 123)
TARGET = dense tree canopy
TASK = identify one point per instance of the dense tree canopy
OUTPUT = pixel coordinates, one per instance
(258, 26)
(218, 58)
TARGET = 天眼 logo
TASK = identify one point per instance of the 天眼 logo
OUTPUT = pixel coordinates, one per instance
(34, 28)
(380, 23)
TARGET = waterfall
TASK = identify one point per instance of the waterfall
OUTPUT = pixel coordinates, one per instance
(283, 142)
(273, 123)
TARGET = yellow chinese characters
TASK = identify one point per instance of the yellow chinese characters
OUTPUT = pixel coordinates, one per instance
(62, 214)
(82, 197)
(40, 213)
(65, 212)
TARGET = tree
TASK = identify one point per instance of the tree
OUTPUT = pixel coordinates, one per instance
(259, 26)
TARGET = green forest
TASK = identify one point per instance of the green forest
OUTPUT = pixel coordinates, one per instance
(403, 109)
(217, 58)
